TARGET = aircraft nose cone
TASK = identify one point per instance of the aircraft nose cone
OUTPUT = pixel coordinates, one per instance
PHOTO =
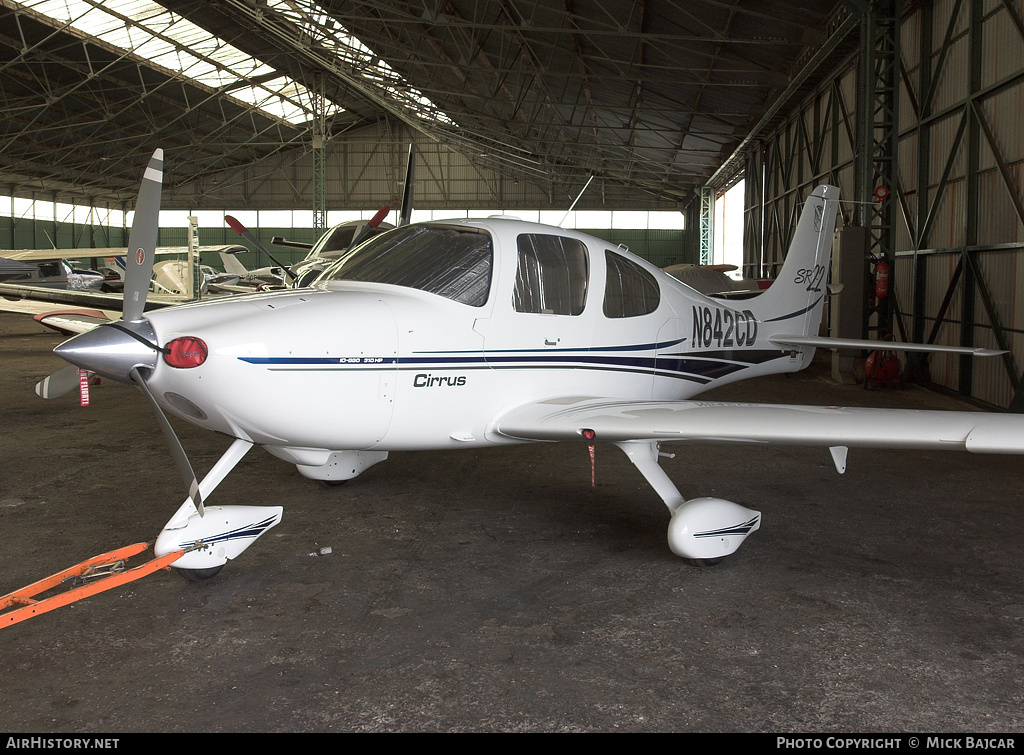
(112, 351)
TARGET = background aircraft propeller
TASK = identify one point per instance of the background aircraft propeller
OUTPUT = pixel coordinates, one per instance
(406, 215)
(244, 232)
(371, 225)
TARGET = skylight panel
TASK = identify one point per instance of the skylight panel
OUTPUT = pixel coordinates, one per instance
(176, 44)
(326, 32)
(172, 42)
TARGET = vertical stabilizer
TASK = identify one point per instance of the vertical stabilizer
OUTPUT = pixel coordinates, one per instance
(232, 264)
(794, 303)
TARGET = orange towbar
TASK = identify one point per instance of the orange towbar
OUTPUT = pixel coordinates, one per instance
(94, 575)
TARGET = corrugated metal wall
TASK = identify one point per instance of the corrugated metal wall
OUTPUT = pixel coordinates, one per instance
(959, 233)
(366, 169)
(27, 233)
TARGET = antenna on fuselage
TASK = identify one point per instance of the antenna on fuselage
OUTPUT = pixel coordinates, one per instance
(406, 215)
(562, 221)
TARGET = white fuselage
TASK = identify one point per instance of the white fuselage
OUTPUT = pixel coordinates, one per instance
(369, 366)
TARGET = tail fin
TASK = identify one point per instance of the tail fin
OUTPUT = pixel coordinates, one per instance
(793, 304)
(232, 264)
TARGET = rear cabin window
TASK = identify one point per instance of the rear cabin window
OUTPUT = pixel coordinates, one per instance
(630, 291)
(449, 262)
(551, 278)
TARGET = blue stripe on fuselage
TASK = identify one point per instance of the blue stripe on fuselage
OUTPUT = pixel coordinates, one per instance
(688, 366)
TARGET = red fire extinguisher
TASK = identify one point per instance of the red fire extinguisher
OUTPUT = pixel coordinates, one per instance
(881, 279)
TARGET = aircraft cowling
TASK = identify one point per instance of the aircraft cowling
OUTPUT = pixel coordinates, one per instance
(295, 369)
(710, 528)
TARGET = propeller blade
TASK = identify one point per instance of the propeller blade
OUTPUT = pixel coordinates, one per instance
(59, 383)
(371, 224)
(406, 215)
(242, 231)
(142, 241)
(180, 459)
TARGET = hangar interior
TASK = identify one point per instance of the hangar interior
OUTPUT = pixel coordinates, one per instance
(911, 107)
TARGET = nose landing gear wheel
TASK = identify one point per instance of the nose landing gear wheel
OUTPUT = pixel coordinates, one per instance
(199, 575)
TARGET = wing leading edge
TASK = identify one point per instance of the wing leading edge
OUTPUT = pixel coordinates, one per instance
(565, 419)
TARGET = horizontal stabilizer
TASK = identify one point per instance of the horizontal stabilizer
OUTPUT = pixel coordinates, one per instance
(820, 342)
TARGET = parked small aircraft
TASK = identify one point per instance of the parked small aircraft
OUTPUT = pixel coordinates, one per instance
(328, 248)
(14, 269)
(50, 269)
(475, 333)
(68, 301)
(711, 280)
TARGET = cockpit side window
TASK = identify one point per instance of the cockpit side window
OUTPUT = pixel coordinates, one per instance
(453, 263)
(552, 275)
(52, 269)
(630, 291)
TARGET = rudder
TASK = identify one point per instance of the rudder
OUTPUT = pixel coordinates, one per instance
(795, 300)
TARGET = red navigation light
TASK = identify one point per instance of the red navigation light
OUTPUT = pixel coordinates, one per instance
(186, 352)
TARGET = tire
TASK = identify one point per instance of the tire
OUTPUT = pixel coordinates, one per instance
(199, 575)
(705, 562)
(331, 483)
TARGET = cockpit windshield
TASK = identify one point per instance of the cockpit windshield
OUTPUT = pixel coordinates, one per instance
(451, 262)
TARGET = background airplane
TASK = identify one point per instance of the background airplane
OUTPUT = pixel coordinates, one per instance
(46, 284)
(712, 280)
(332, 245)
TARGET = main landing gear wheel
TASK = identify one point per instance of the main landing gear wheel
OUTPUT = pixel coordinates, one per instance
(199, 575)
(331, 483)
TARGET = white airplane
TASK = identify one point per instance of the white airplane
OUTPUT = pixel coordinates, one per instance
(477, 333)
(40, 282)
(49, 268)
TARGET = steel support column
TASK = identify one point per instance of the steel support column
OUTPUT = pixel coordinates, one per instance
(707, 225)
(319, 158)
(878, 141)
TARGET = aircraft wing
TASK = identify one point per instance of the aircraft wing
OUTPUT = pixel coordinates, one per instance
(564, 419)
(40, 255)
(10, 293)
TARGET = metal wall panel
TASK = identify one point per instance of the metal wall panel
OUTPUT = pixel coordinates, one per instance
(959, 229)
(366, 172)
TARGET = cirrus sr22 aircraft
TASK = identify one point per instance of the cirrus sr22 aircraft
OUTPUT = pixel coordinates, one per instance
(475, 333)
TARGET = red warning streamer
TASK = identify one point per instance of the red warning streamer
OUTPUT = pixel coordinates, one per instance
(83, 387)
(590, 435)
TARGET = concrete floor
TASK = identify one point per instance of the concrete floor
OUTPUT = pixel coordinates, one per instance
(497, 591)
